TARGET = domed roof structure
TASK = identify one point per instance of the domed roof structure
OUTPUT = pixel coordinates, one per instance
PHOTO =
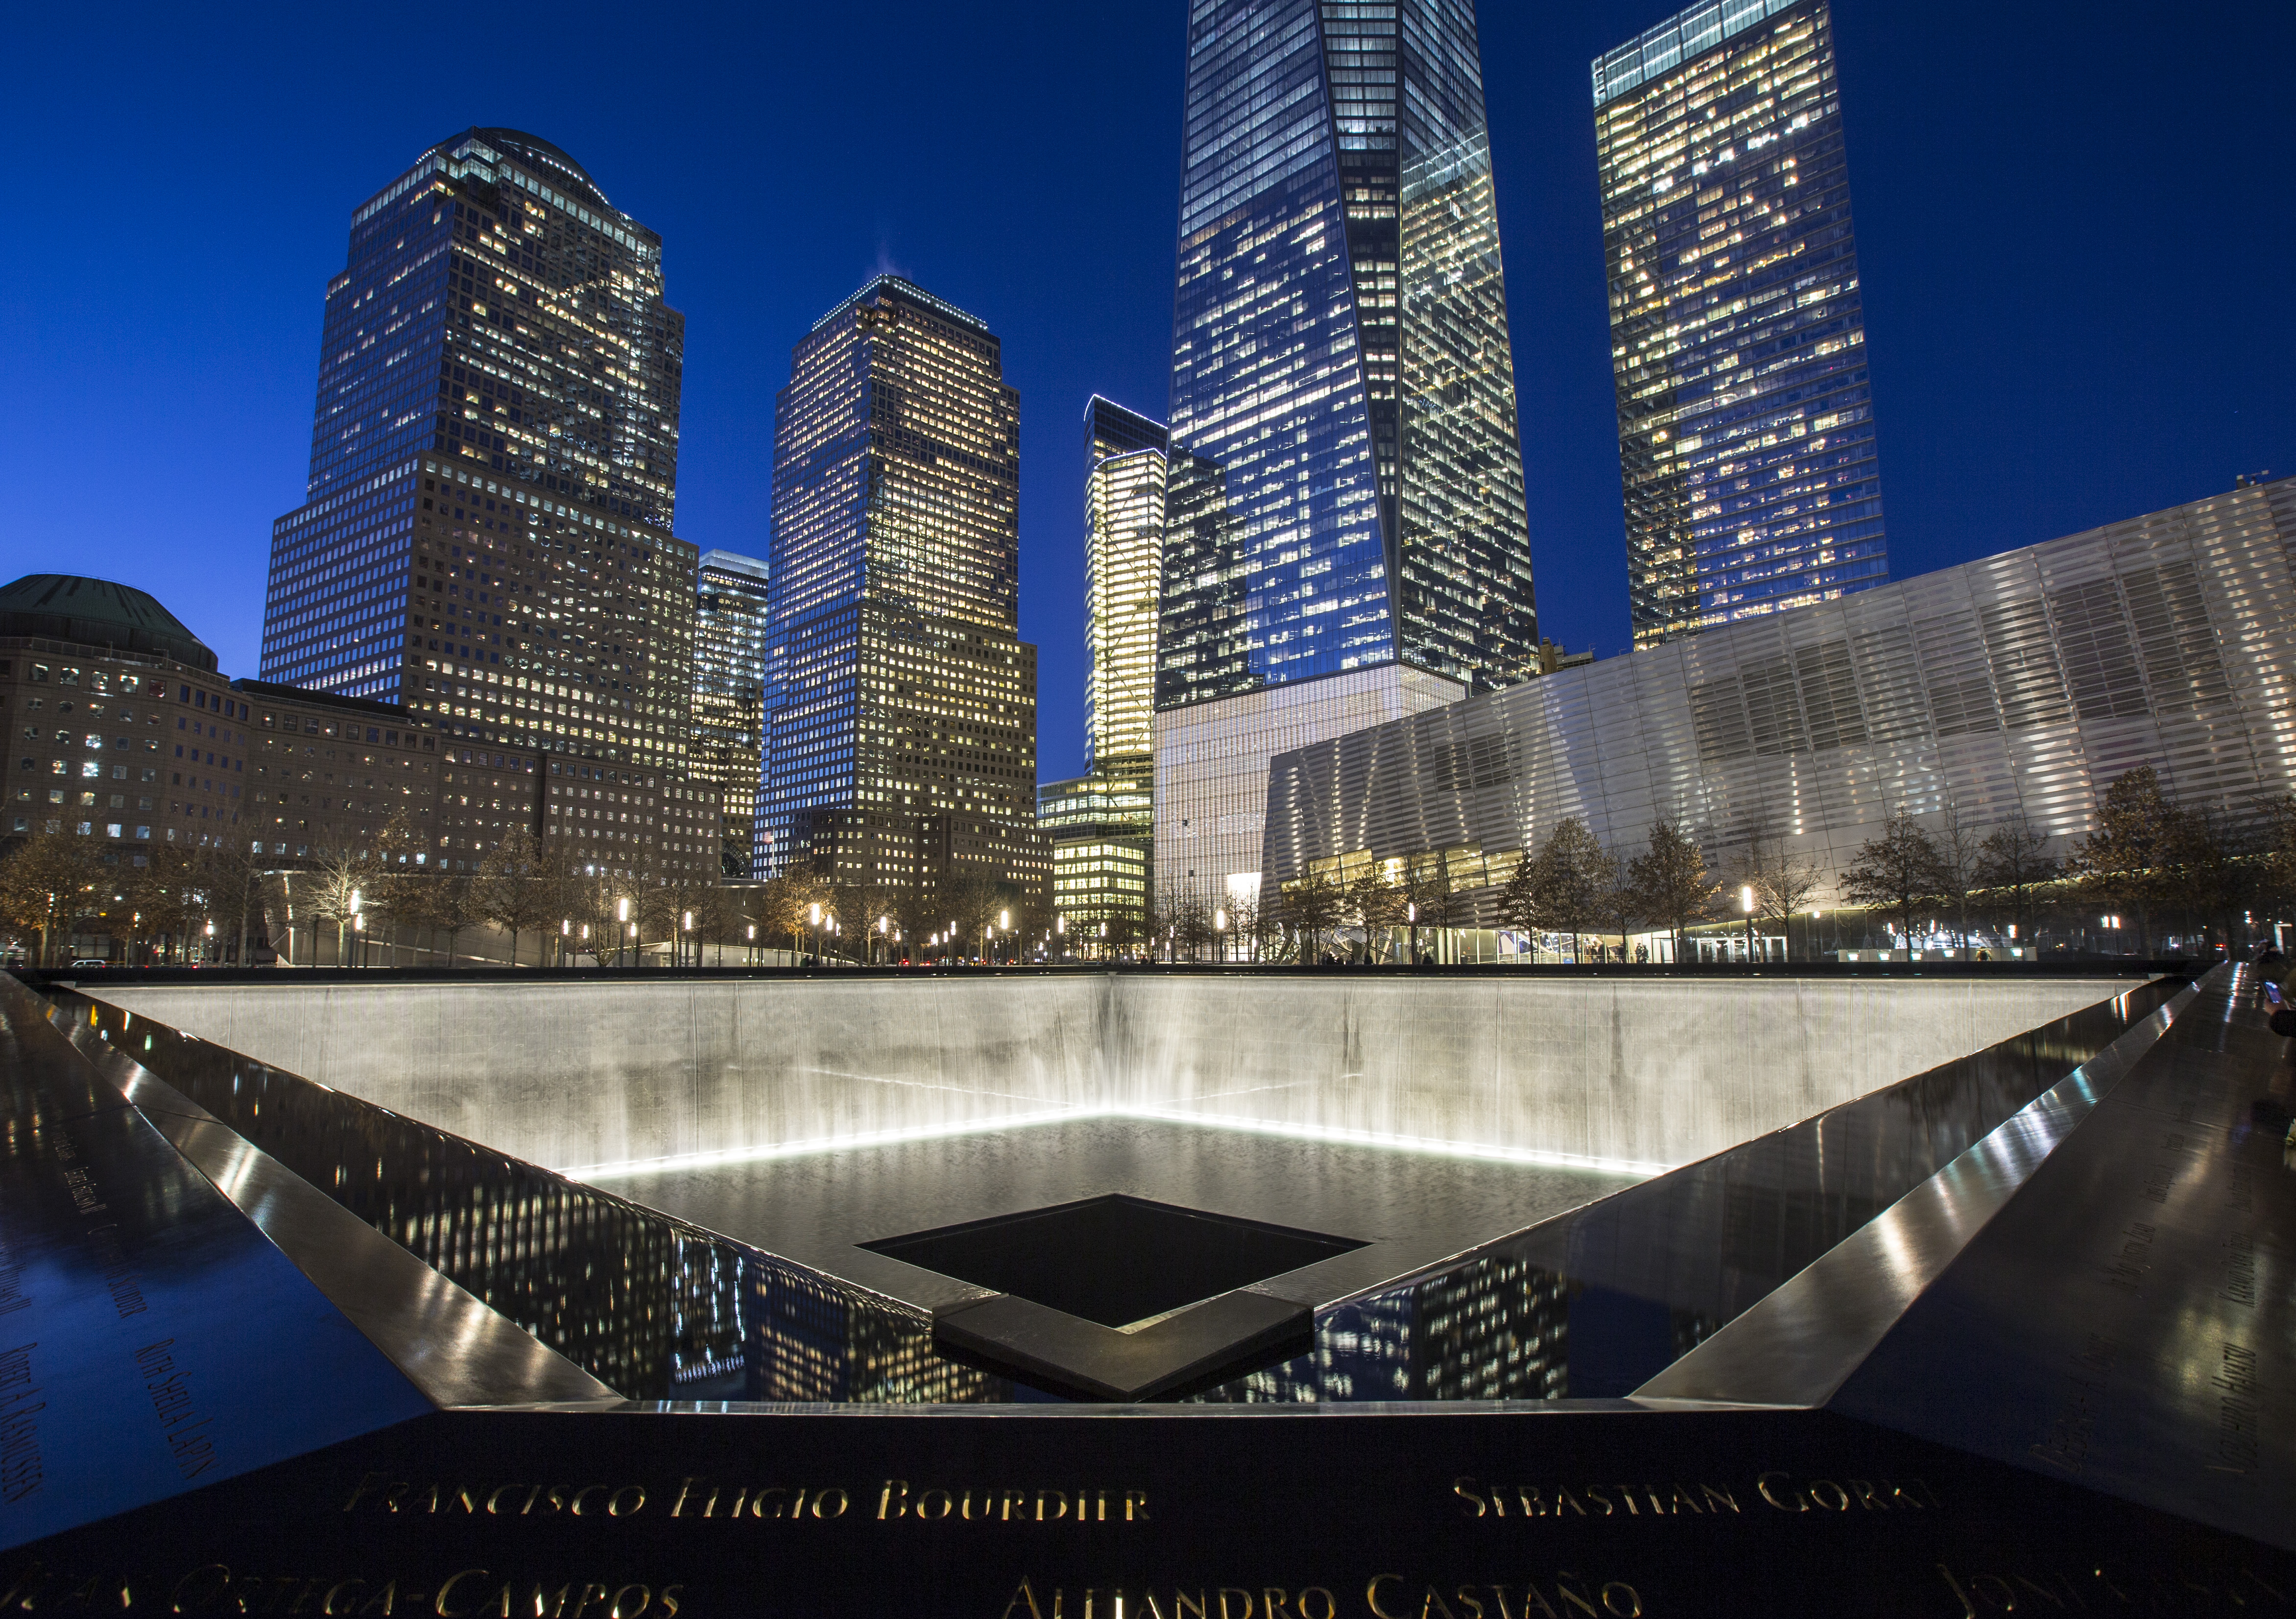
(98, 614)
(536, 152)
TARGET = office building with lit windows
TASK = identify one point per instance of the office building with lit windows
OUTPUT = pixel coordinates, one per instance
(485, 539)
(126, 733)
(1123, 560)
(901, 706)
(1101, 832)
(1101, 824)
(729, 695)
(1346, 540)
(1746, 439)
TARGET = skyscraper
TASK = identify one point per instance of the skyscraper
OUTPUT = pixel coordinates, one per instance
(1123, 559)
(901, 722)
(1346, 540)
(493, 465)
(1101, 824)
(729, 695)
(1737, 328)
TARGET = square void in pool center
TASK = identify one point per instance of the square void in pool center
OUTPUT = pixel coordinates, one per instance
(1114, 1260)
(828, 1209)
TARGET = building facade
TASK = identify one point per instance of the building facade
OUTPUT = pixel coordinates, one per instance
(1102, 848)
(1345, 494)
(485, 539)
(2019, 685)
(1125, 457)
(727, 748)
(901, 708)
(1746, 439)
(1102, 824)
(122, 730)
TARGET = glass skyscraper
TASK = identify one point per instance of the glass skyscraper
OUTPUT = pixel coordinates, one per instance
(729, 695)
(1737, 330)
(1124, 546)
(1101, 825)
(493, 466)
(901, 722)
(1346, 496)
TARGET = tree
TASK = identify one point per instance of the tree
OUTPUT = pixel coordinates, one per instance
(338, 883)
(1621, 901)
(2014, 860)
(511, 889)
(2124, 858)
(399, 876)
(1314, 906)
(1959, 855)
(1190, 924)
(164, 893)
(969, 904)
(1518, 906)
(1896, 874)
(2277, 855)
(1124, 926)
(779, 907)
(444, 902)
(1569, 875)
(44, 883)
(2210, 871)
(1671, 882)
(226, 873)
(1782, 882)
(1377, 904)
(1431, 900)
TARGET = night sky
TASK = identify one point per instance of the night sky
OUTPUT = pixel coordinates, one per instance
(2074, 222)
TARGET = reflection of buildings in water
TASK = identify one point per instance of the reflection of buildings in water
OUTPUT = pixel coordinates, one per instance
(1692, 1328)
(1363, 1348)
(815, 1341)
(1291, 1382)
(1496, 1330)
(708, 1359)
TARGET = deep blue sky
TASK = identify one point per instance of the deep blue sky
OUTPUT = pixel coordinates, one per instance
(2074, 222)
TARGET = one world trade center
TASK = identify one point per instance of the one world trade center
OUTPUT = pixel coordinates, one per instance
(1346, 540)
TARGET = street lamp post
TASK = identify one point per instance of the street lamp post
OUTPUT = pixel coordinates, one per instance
(621, 916)
(692, 948)
(1746, 903)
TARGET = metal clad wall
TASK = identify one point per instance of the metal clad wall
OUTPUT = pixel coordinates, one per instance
(2024, 681)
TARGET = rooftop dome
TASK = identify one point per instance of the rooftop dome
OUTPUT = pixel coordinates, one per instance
(536, 153)
(98, 614)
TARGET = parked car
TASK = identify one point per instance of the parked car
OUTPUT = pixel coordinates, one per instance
(86, 962)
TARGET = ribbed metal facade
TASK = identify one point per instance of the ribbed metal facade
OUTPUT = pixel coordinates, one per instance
(2025, 681)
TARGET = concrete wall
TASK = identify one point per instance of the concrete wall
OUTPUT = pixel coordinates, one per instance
(1643, 1071)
